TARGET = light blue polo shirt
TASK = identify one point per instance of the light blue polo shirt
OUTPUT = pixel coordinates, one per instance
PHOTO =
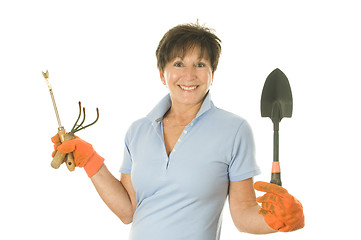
(181, 197)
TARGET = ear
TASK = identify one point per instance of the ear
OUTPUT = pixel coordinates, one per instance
(212, 78)
(162, 78)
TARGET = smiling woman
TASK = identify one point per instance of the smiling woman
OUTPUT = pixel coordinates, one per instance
(185, 158)
(188, 79)
(187, 58)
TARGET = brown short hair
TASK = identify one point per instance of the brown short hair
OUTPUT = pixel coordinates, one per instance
(178, 40)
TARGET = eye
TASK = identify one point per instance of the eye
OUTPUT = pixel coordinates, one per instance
(201, 65)
(178, 64)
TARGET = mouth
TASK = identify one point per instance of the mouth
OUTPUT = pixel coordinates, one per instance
(188, 88)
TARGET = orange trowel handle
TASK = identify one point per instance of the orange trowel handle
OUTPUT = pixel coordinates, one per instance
(60, 157)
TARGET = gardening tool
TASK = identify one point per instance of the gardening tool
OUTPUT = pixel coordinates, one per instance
(276, 103)
(60, 157)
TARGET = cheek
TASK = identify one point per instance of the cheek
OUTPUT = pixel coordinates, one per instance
(173, 77)
(208, 78)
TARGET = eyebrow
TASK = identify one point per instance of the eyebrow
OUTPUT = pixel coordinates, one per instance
(199, 58)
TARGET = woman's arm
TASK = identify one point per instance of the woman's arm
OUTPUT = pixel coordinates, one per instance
(119, 196)
(244, 208)
(114, 193)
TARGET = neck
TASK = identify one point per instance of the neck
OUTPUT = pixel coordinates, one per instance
(182, 114)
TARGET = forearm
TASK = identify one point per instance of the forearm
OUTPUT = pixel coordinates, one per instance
(250, 221)
(113, 193)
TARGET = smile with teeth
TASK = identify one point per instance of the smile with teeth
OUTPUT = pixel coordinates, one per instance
(188, 88)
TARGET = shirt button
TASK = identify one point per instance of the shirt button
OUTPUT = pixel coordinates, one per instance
(185, 131)
(192, 124)
(173, 150)
(179, 140)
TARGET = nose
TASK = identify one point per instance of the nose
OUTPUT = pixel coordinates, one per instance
(190, 73)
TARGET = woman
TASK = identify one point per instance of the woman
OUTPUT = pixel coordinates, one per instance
(186, 156)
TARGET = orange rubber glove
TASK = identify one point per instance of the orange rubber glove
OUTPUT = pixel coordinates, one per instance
(281, 211)
(57, 143)
(84, 154)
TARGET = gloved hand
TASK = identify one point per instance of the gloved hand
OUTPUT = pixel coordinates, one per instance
(57, 143)
(84, 154)
(281, 211)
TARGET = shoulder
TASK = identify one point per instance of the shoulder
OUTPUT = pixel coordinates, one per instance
(140, 122)
(227, 119)
(225, 125)
(138, 126)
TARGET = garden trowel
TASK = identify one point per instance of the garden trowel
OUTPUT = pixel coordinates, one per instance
(276, 103)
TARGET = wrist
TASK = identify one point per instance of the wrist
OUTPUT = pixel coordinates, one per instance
(94, 164)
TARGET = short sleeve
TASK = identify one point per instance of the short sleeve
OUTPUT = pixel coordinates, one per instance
(243, 163)
(126, 166)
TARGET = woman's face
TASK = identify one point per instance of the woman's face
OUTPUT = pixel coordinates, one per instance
(189, 78)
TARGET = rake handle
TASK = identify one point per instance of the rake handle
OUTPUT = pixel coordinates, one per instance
(59, 157)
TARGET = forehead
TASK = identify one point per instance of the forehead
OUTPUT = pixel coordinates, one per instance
(188, 50)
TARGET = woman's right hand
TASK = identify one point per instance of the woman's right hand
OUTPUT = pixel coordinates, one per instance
(84, 154)
(57, 143)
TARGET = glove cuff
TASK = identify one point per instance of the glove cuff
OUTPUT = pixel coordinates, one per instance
(93, 165)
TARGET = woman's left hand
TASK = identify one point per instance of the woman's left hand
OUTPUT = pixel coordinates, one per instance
(281, 210)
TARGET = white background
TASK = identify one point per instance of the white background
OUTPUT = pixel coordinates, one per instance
(103, 54)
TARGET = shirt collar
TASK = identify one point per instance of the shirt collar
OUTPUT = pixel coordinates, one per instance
(156, 115)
